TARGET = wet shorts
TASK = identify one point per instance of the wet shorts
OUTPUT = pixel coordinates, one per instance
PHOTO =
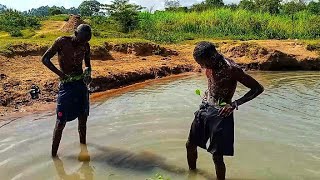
(73, 101)
(207, 125)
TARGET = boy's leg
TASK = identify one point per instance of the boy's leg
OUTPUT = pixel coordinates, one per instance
(57, 134)
(82, 128)
(220, 167)
(192, 155)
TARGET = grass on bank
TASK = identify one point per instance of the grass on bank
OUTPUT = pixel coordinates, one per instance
(49, 32)
(181, 27)
(228, 24)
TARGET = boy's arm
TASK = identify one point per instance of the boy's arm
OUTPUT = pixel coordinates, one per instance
(87, 71)
(87, 57)
(46, 58)
(255, 87)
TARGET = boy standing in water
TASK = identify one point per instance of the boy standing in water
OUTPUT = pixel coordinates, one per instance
(214, 119)
(73, 97)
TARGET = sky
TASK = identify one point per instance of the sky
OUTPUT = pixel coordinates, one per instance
(23, 5)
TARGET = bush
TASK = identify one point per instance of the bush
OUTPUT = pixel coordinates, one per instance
(28, 33)
(126, 14)
(13, 22)
(96, 33)
(15, 33)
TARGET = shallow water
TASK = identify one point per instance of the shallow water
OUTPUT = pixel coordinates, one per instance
(143, 132)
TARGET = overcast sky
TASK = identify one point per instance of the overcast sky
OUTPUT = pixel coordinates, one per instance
(23, 5)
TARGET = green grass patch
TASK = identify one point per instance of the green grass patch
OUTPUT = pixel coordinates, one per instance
(60, 17)
(47, 40)
(225, 23)
(28, 33)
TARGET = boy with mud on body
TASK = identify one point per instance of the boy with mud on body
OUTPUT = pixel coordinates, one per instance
(214, 120)
(73, 96)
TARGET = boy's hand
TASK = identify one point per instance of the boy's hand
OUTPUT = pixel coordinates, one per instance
(87, 76)
(226, 110)
(87, 80)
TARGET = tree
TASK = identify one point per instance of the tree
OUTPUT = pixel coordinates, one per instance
(124, 13)
(199, 7)
(174, 5)
(89, 8)
(293, 7)
(270, 6)
(232, 6)
(247, 4)
(3, 7)
(214, 3)
(314, 7)
(55, 11)
(46, 11)
(41, 11)
(171, 4)
(73, 10)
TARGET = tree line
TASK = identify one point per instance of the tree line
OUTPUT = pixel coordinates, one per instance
(263, 6)
(94, 7)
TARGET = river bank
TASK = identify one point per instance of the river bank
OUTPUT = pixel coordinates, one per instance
(119, 65)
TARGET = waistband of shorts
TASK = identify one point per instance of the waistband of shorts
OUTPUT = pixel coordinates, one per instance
(205, 104)
(72, 79)
(71, 82)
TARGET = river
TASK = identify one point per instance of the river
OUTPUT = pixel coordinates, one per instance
(140, 133)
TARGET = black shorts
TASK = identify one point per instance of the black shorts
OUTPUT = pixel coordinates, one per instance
(73, 101)
(207, 125)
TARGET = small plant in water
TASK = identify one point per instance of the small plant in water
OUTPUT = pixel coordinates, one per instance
(198, 92)
(158, 177)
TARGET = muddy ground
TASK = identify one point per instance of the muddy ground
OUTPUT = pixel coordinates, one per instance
(118, 65)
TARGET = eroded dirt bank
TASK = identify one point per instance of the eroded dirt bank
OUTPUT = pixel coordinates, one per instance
(117, 65)
(114, 66)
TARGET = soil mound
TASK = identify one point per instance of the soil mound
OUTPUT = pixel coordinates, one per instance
(72, 24)
(144, 49)
(257, 57)
(254, 51)
(101, 53)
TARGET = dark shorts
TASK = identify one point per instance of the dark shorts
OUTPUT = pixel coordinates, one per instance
(73, 101)
(207, 125)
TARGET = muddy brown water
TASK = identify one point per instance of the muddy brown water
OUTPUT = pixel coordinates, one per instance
(142, 132)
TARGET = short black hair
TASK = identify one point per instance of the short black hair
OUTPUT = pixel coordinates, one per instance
(83, 28)
(204, 53)
(83, 33)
